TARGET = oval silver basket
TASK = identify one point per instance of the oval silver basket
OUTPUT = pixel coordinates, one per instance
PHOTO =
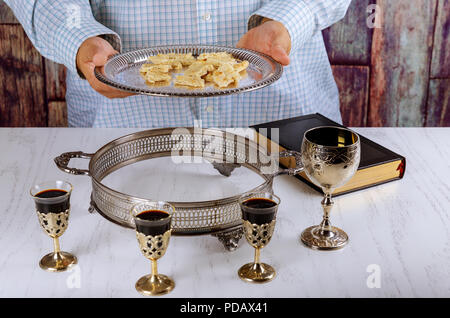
(224, 150)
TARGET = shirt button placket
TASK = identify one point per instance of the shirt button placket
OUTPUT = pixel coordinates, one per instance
(207, 35)
(207, 27)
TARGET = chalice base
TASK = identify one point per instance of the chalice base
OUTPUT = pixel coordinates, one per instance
(57, 262)
(154, 285)
(317, 239)
(256, 272)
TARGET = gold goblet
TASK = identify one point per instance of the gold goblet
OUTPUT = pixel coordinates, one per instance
(153, 230)
(330, 157)
(52, 200)
(259, 211)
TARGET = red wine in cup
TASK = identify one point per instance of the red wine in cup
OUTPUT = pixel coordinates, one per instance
(52, 207)
(153, 222)
(258, 210)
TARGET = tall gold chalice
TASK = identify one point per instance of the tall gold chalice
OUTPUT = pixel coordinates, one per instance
(330, 157)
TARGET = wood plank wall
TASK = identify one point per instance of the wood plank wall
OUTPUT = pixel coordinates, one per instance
(32, 88)
(396, 74)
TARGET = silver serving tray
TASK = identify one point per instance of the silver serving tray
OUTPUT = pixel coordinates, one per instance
(122, 71)
(224, 150)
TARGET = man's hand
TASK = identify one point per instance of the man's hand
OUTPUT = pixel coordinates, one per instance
(271, 38)
(95, 52)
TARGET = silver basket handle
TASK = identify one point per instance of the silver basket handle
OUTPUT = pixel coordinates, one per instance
(62, 162)
(298, 162)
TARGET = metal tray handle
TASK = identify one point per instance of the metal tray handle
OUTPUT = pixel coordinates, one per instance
(62, 161)
(298, 162)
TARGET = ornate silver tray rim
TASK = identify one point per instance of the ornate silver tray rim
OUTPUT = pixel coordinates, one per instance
(120, 152)
(120, 62)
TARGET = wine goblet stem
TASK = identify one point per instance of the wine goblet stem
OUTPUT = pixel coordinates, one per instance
(154, 268)
(257, 255)
(324, 236)
(325, 225)
(56, 247)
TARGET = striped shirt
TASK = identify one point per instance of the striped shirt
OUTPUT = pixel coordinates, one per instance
(57, 28)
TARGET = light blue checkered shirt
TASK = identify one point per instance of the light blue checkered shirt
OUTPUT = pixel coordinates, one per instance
(58, 27)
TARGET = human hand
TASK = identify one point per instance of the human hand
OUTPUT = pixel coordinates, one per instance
(271, 38)
(94, 52)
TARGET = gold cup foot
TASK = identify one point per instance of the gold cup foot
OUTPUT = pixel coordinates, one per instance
(316, 239)
(154, 285)
(256, 272)
(57, 262)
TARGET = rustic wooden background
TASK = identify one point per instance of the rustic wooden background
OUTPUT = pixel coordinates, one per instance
(395, 75)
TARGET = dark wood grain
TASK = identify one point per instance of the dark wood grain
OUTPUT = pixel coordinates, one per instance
(353, 85)
(349, 40)
(55, 80)
(440, 66)
(57, 114)
(21, 80)
(439, 103)
(401, 53)
(6, 14)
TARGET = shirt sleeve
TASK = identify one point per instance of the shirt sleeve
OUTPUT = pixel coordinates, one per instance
(57, 28)
(302, 18)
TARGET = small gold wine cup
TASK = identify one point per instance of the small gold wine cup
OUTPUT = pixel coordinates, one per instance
(52, 201)
(258, 225)
(153, 236)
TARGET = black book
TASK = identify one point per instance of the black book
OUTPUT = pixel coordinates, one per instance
(378, 164)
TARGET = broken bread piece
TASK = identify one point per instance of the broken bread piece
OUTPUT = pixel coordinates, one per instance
(242, 66)
(225, 75)
(223, 56)
(185, 59)
(192, 81)
(159, 68)
(154, 77)
(172, 59)
(199, 69)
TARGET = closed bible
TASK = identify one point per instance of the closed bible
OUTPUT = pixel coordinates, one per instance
(378, 164)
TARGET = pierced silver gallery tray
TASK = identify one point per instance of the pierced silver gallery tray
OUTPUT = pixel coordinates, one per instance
(224, 150)
(122, 71)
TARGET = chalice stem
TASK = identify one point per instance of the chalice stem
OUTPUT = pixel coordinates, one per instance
(327, 205)
(257, 255)
(154, 268)
(56, 247)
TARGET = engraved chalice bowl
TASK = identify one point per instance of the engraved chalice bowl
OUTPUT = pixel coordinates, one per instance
(330, 156)
(153, 230)
(52, 201)
(259, 211)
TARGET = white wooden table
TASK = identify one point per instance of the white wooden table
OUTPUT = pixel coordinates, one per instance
(399, 232)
